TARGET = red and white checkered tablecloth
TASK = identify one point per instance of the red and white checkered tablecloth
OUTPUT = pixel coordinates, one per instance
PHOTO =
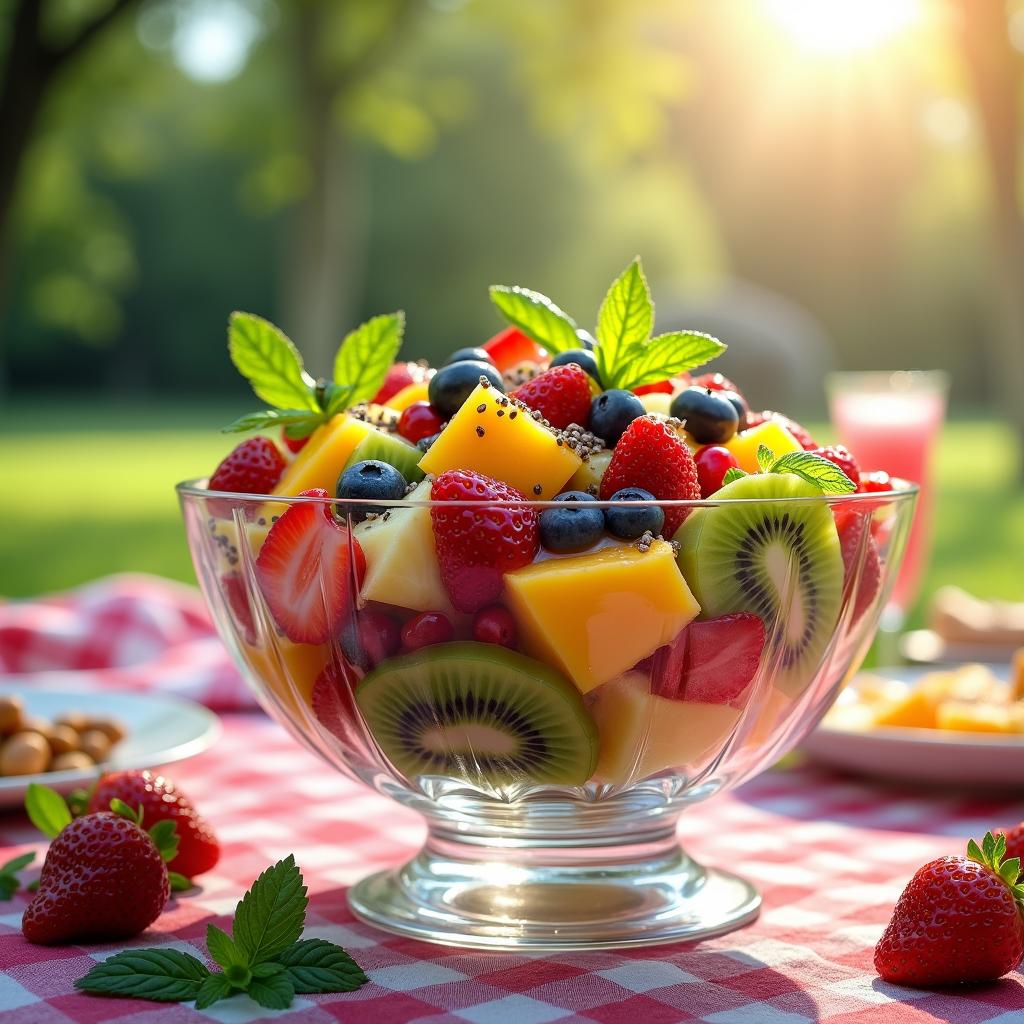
(830, 854)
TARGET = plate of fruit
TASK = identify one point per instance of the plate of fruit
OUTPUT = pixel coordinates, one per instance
(959, 726)
(64, 739)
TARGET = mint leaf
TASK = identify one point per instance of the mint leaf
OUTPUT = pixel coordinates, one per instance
(9, 882)
(364, 358)
(624, 321)
(222, 948)
(212, 990)
(731, 474)
(275, 993)
(537, 317)
(665, 356)
(316, 965)
(270, 916)
(164, 975)
(46, 810)
(179, 883)
(299, 419)
(166, 839)
(270, 363)
(825, 475)
(765, 458)
(267, 969)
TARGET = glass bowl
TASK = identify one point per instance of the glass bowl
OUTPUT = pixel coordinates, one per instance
(551, 777)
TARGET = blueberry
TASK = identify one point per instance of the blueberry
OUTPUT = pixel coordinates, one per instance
(368, 479)
(739, 403)
(576, 527)
(630, 522)
(469, 355)
(582, 358)
(454, 383)
(613, 411)
(709, 417)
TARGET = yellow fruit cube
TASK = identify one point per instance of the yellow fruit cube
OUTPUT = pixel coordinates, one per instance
(320, 463)
(642, 734)
(288, 671)
(590, 473)
(771, 434)
(657, 401)
(963, 716)
(401, 400)
(401, 560)
(492, 436)
(916, 710)
(597, 614)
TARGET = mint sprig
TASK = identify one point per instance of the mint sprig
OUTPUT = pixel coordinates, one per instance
(661, 358)
(263, 956)
(271, 363)
(825, 475)
(733, 473)
(537, 317)
(624, 322)
(9, 881)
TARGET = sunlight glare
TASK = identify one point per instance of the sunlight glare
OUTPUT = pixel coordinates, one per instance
(843, 26)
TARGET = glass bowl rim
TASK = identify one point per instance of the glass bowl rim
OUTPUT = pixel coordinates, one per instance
(196, 488)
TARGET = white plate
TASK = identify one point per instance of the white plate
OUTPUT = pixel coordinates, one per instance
(159, 728)
(920, 755)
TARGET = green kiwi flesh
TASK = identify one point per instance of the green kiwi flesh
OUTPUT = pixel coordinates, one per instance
(780, 560)
(481, 713)
(389, 448)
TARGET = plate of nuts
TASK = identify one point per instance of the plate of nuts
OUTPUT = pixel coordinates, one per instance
(65, 740)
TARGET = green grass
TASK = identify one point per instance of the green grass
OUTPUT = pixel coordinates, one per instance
(90, 491)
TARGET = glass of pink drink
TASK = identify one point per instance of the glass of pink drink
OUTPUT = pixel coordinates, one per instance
(891, 422)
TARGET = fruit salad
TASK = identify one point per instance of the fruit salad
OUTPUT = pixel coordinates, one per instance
(556, 559)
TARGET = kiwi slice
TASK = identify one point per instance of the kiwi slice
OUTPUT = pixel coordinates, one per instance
(781, 560)
(479, 712)
(391, 449)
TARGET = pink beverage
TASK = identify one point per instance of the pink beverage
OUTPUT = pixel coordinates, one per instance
(891, 422)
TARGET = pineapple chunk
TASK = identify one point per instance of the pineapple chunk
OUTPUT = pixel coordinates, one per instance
(590, 473)
(320, 463)
(401, 560)
(504, 442)
(964, 716)
(916, 710)
(775, 436)
(643, 734)
(401, 400)
(596, 615)
(657, 401)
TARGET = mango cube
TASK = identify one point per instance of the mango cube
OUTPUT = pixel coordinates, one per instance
(771, 434)
(915, 710)
(401, 400)
(503, 441)
(288, 670)
(401, 560)
(596, 615)
(963, 716)
(320, 463)
(643, 734)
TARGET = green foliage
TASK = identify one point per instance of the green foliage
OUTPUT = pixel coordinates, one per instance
(9, 881)
(163, 975)
(47, 810)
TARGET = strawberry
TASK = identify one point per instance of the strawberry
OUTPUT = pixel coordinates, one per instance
(161, 800)
(651, 455)
(477, 546)
(711, 662)
(293, 444)
(333, 704)
(873, 483)
(959, 921)
(254, 467)
(1014, 840)
(561, 395)
(852, 525)
(841, 457)
(399, 376)
(308, 569)
(103, 878)
(804, 439)
(510, 347)
(716, 382)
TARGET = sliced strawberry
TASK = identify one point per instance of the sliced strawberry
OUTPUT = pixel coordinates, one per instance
(399, 376)
(711, 662)
(309, 568)
(851, 524)
(478, 543)
(651, 455)
(333, 704)
(510, 347)
(233, 588)
(561, 395)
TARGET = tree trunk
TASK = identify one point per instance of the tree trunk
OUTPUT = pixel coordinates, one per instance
(993, 69)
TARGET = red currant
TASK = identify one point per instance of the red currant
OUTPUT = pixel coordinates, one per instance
(293, 444)
(418, 421)
(427, 629)
(495, 625)
(379, 635)
(713, 462)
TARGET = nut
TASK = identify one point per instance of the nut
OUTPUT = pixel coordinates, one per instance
(24, 753)
(78, 720)
(63, 739)
(12, 712)
(110, 727)
(73, 760)
(95, 744)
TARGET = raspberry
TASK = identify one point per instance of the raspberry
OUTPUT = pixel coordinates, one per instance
(476, 546)
(254, 467)
(561, 395)
(841, 457)
(651, 455)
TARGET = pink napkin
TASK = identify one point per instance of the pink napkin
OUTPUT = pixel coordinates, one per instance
(126, 632)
